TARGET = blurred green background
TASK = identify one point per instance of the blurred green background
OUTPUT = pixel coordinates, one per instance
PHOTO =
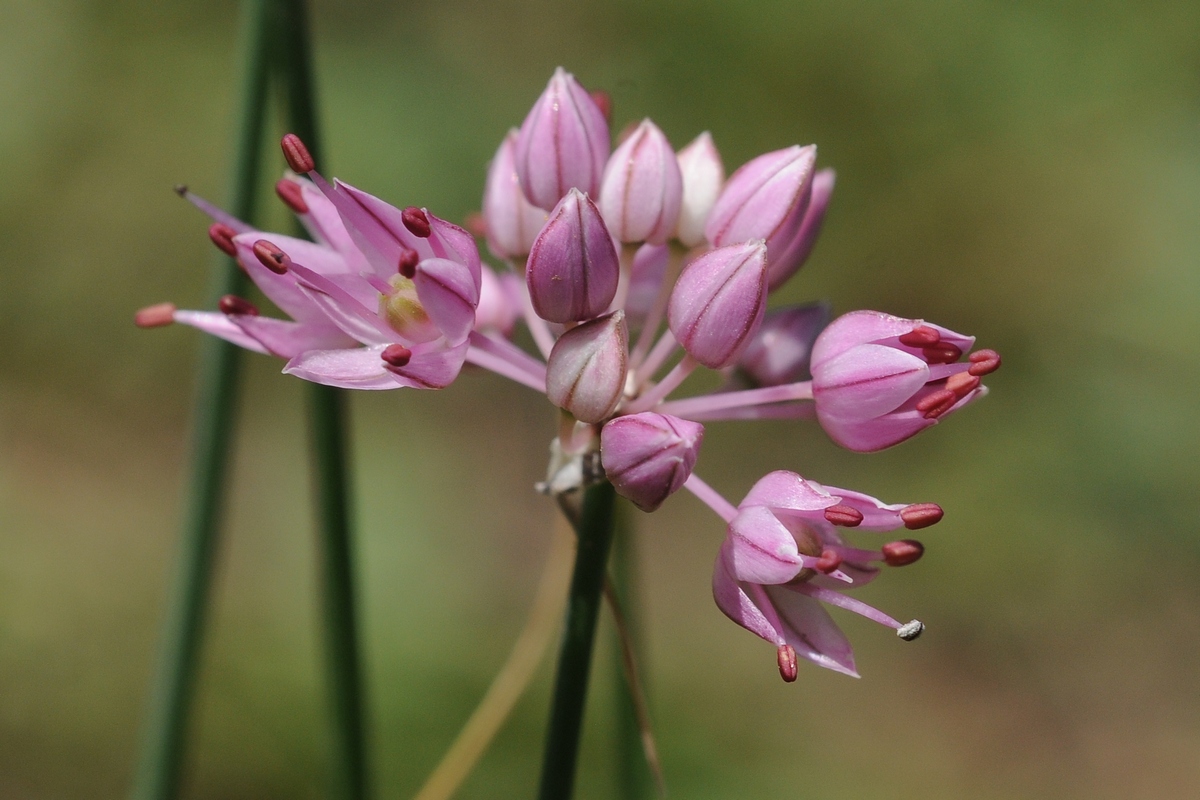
(1027, 172)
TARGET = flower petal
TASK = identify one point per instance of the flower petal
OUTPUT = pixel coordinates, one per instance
(737, 605)
(449, 295)
(343, 310)
(289, 339)
(812, 632)
(349, 368)
(220, 326)
(787, 490)
(867, 381)
(760, 549)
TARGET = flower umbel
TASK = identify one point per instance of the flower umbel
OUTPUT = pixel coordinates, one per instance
(630, 272)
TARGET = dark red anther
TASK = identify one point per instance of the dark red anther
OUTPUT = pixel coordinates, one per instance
(829, 561)
(921, 336)
(786, 657)
(408, 263)
(962, 383)
(921, 515)
(232, 304)
(155, 316)
(476, 224)
(603, 101)
(902, 553)
(298, 158)
(416, 221)
(935, 404)
(271, 257)
(983, 362)
(222, 237)
(942, 353)
(290, 193)
(396, 355)
(844, 516)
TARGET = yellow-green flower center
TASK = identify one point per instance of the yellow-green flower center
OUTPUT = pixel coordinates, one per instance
(404, 313)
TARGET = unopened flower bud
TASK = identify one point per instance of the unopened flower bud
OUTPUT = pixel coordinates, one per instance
(646, 276)
(718, 303)
(511, 222)
(765, 199)
(573, 268)
(498, 308)
(562, 144)
(779, 351)
(648, 456)
(792, 256)
(585, 373)
(703, 174)
(642, 188)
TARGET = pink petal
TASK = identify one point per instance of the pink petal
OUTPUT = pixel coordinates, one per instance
(343, 310)
(812, 632)
(449, 241)
(855, 328)
(787, 490)
(325, 224)
(449, 295)
(352, 368)
(760, 549)
(867, 381)
(290, 339)
(868, 436)
(737, 605)
(221, 326)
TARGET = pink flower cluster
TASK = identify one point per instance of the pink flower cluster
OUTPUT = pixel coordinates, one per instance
(631, 268)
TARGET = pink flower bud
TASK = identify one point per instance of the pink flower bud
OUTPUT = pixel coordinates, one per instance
(585, 373)
(779, 351)
(563, 143)
(642, 188)
(793, 255)
(511, 222)
(646, 276)
(718, 303)
(648, 456)
(573, 269)
(765, 199)
(879, 379)
(703, 174)
(499, 306)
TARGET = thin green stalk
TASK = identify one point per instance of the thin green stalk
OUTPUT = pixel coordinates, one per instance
(595, 531)
(158, 771)
(327, 417)
(633, 774)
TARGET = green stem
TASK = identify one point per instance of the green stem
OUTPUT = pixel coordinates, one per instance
(160, 758)
(633, 776)
(330, 473)
(595, 531)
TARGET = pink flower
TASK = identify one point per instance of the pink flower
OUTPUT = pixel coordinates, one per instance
(783, 558)
(879, 379)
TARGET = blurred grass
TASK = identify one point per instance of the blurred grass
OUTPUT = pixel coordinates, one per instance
(1026, 172)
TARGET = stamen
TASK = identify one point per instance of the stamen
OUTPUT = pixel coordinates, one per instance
(910, 630)
(921, 515)
(155, 316)
(921, 336)
(902, 553)
(603, 101)
(983, 362)
(292, 195)
(396, 355)
(942, 353)
(297, 155)
(232, 304)
(416, 221)
(181, 189)
(786, 658)
(408, 263)
(271, 257)
(962, 383)
(937, 403)
(845, 516)
(222, 236)
(829, 561)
